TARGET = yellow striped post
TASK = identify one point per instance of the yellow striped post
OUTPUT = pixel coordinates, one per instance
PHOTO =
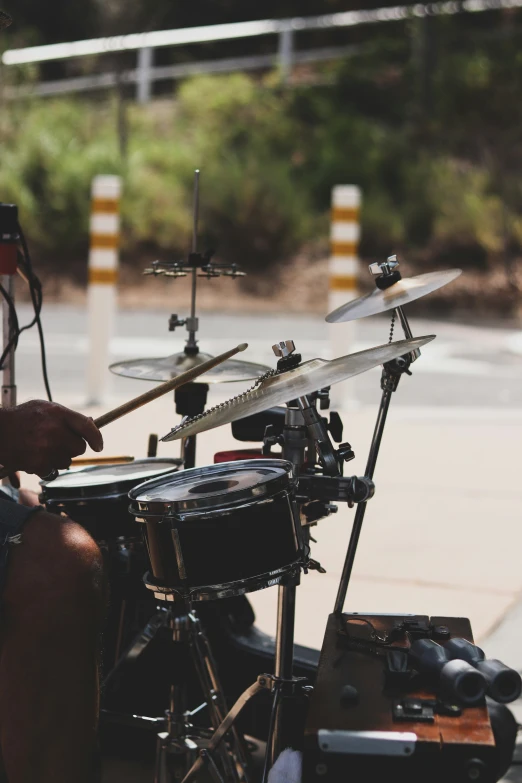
(343, 269)
(103, 277)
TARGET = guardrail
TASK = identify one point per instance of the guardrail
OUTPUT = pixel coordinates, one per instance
(145, 43)
(106, 80)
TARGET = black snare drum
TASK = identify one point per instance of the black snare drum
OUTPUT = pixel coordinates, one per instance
(97, 497)
(221, 530)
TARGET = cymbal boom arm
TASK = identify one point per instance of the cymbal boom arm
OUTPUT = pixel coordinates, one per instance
(391, 374)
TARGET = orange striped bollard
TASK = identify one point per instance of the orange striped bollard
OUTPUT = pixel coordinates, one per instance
(343, 270)
(103, 276)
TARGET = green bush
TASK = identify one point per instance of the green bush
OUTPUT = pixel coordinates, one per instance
(269, 157)
(50, 152)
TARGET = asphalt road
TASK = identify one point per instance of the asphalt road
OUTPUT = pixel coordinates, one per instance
(477, 366)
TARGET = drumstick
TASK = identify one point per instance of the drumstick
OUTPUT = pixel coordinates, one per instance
(83, 461)
(163, 388)
(159, 391)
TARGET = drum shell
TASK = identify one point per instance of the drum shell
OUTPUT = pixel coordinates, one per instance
(101, 508)
(104, 518)
(225, 546)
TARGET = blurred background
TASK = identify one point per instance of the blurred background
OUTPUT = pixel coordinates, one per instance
(422, 112)
(418, 106)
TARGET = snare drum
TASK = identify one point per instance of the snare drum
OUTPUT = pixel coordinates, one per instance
(221, 530)
(97, 497)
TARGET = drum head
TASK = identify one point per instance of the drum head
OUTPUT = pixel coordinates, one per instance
(214, 487)
(103, 480)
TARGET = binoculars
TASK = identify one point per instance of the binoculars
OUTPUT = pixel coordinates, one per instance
(463, 672)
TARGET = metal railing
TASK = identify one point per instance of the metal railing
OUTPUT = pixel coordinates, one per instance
(145, 43)
(144, 80)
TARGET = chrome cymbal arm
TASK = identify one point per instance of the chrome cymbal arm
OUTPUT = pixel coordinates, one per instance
(391, 375)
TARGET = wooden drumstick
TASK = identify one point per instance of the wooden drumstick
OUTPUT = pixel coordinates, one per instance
(159, 391)
(82, 462)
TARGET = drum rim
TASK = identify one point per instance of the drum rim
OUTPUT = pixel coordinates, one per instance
(203, 506)
(51, 492)
(229, 589)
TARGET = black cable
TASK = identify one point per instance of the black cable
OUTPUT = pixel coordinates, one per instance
(35, 290)
(13, 340)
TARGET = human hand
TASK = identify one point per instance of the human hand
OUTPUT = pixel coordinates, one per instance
(39, 436)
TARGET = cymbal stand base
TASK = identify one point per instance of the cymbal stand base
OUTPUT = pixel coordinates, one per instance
(177, 747)
(263, 682)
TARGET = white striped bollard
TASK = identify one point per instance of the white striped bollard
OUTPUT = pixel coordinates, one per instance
(343, 269)
(103, 275)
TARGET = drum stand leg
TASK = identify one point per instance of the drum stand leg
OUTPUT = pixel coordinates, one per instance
(177, 748)
(283, 668)
(206, 669)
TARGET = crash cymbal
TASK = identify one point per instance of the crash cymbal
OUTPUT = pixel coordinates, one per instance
(280, 388)
(169, 367)
(400, 293)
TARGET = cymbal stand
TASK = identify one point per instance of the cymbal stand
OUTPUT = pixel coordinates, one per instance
(304, 435)
(197, 265)
(304, 439)
(391, 375)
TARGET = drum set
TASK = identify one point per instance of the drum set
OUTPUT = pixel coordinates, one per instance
(185, 545)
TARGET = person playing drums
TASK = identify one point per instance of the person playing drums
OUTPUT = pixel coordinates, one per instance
(52, 605)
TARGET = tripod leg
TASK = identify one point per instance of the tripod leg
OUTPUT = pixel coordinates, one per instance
(226, 725)
(206, 669)
(284, 662)
(160, 771)
(269, 756)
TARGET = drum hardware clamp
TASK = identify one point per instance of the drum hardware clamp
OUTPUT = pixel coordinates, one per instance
(278, 686)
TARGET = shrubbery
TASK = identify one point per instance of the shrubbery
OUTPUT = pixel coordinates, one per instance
(269, 157)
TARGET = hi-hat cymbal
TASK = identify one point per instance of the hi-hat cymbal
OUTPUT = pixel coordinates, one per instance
(400, 293)
(171, 366)
(308, 377)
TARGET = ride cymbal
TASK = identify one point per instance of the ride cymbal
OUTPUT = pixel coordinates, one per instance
(404, 291)
(280, 388)
(171, 366)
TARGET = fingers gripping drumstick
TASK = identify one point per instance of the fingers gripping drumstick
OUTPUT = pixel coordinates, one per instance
(159, 391)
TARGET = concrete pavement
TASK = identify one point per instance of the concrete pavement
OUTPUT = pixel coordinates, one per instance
(442, 534)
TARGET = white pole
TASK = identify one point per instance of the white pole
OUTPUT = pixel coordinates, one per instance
(103, 273)
(343, 270)
(285, 53)
(145, 58)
